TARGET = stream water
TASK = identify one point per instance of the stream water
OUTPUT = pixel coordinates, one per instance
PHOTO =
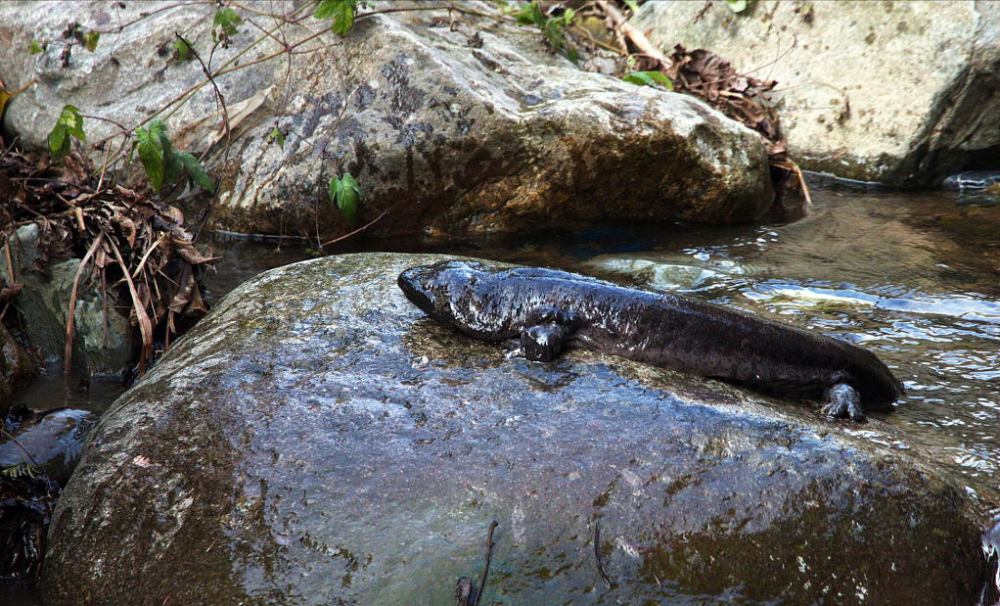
(914, 277)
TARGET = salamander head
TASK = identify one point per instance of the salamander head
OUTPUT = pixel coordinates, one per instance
(436, 288)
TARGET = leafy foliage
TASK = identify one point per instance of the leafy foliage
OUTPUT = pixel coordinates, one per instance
(69, 124)
(553, 27)
(90, 40)
(276, 135)
(224, 25)
(163, 165)
(346, 193)
(650, 79)
(196, 173)
(340, 12)
(738, 6)
(182, 50)
(24, 469)
(36, 48)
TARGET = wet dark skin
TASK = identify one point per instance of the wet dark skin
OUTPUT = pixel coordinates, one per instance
(548, 311)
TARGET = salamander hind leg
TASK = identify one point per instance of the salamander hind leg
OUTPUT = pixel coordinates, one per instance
(543, 342)
(843, 401)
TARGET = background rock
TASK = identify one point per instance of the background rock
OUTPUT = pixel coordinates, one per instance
(448, 131)
(898, 92)
(98, 348)
(54, 442)
(316, 440)
(15, 365)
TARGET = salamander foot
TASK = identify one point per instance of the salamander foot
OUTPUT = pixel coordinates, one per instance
(843, 401)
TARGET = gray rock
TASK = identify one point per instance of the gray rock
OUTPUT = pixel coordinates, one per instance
(54, 442)
(897, 92)
(445, 134)
(44, 302)
(15, 365)
(316, 440)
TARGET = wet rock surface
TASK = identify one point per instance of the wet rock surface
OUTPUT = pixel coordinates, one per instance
(315, 440)
(449, 131)
(896, 92)
(103, 339)
(51, 441)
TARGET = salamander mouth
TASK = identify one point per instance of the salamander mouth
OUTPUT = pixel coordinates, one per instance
(411, 283)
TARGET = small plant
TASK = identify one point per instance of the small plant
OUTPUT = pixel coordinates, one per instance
(69, 124)
(553, 27)
(163, 164)
(346, 193)
(650, 79)
(738, 6)
(224, 26)
(182, 50)
(23, 469)
(276, 136)
(340, 13)
(90, 40)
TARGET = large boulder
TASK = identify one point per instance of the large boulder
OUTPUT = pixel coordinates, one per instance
(102, 342)
(898, 92)
(316, 440)
(446, 131)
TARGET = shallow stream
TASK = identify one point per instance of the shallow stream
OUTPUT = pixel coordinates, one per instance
(914, 277)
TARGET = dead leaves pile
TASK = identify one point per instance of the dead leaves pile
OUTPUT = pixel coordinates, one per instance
(708, 76)
(136, 250)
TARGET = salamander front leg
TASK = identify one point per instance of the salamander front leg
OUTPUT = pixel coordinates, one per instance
(543, 342)
(843, 401)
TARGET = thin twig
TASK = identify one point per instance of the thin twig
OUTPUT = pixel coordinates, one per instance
(13, 439)
(218, 93)
(633, 33)
(145, 326)
(486, 566)
(68, 351)
(356, 231)
(597, 553)
(149, 251)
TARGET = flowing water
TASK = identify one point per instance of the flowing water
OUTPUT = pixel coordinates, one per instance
(914, 277)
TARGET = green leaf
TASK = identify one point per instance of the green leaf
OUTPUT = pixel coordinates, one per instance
(737, 6)
(69, 124)
(650, 79)
(227, 19)
(530, 14)
(195, 171)
(35, 48)
(58, 142)
(277, 135)
(151, 153)
(346, 193)
(90, 40)
(183, 50)
(173, 167)
(324, 10)
(631, 4)
(340, 11)
(71, 119)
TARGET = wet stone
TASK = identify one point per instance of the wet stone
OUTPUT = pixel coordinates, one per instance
(446, 138)
(316, 440)
(102, 343)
